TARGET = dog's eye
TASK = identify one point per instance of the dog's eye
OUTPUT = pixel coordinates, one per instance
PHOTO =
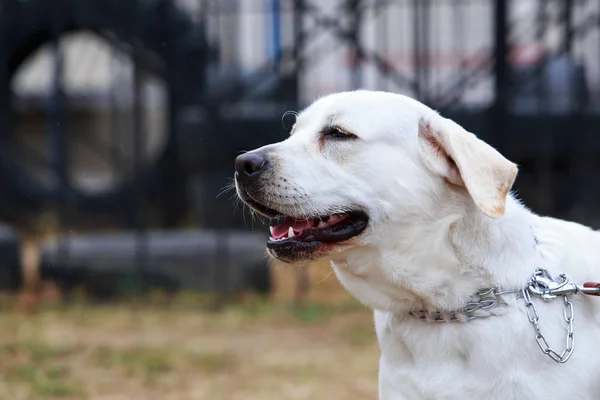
(336, 133)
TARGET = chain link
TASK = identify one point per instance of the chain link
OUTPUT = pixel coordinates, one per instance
(540, 285)
(533, 316)
(488, 298)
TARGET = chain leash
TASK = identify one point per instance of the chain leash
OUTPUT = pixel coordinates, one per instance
(547, 288)
(541, 285)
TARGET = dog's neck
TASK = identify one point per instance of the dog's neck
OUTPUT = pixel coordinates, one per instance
(440, 264)
(502, 250)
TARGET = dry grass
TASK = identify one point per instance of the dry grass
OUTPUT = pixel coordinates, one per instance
(255, 350)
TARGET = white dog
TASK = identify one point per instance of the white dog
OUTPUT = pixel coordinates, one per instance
(415, 214)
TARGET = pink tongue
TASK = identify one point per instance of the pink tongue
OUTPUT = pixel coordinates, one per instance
(280, 231)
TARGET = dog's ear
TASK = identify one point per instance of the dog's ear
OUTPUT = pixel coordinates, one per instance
(465, 160)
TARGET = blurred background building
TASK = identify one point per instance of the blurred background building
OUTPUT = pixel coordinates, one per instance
(119, 124)
(120, 119)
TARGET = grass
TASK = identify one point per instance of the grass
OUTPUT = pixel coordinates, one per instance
(34, 368)
(258, 349)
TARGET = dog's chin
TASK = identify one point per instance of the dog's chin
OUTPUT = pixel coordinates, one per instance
(296, 252)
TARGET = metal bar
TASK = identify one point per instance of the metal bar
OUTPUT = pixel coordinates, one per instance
(299, 41)
(436, 14)
(56, 104)
(542, 170)
(171, 208)
(355, 16)
(568, 26)
(501, 77)
(221, 264)
(417, 48)
(426, 51)
(115, 158)
(540, 31)
(382, 32)
(275, 30)
(458, 35)
(59, 158)
(138, 158)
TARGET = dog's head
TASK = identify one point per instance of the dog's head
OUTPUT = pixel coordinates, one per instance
(359, 163)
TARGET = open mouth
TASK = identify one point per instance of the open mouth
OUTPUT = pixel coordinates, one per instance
(310, 233)
(302, 239)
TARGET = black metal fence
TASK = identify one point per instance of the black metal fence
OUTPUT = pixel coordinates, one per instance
(128, 113)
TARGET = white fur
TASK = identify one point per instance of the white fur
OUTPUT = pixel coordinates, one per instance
(428, 244)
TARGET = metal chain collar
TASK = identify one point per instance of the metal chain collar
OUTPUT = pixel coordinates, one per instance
(483, 301)
(542, 285)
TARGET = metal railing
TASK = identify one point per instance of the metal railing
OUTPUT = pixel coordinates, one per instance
(152, 140)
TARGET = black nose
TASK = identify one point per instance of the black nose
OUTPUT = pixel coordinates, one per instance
(250, 165)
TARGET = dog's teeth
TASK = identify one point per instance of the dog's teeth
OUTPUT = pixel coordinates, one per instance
(271, 229)
(321, 225)
(291, 233)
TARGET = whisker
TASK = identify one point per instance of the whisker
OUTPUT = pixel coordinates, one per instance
(227, 188)
(244, 213)
(326, 276)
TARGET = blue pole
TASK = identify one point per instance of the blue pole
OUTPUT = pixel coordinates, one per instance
(275, 30)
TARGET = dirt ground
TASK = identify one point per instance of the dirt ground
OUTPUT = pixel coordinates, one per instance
(255, 349)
